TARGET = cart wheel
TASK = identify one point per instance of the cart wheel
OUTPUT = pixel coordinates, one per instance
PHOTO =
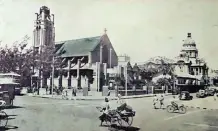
(170, 109)
(129, 120)
(3, 119)
(182, 110)
(119, 120)
(108, 120)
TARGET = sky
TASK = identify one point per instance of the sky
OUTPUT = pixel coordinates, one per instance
(140, 28)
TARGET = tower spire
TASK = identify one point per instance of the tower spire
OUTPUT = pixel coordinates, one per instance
(189, 35)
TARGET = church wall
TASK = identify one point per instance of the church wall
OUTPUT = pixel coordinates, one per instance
(95, 55)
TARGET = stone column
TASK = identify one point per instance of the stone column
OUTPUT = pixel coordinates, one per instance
(68, 73)
(152, 89)
(98, 75)
(166, 89)
(78, 73)
(60, 78)
(90, 58)
(105, 73)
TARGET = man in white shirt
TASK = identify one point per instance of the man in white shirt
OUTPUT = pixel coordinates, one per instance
(105, 109)
(120, 101)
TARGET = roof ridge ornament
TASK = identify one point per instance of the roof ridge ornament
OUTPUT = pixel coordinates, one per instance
(105, 31)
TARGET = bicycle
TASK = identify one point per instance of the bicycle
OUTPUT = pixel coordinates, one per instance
(3, 119)
(3, 115)
(181, 109)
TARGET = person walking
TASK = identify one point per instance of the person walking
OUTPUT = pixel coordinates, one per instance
(74, 91)
(215, 95)
(120, 101)
(161, 101)
(155, 101)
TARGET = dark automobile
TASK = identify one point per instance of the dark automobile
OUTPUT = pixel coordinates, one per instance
(185, 95)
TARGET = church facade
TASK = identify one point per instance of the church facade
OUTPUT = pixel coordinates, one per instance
(84, 62)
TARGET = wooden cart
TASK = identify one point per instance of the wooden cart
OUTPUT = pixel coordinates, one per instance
(7, 92)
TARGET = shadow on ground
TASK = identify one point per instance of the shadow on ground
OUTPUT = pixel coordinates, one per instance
(12, 107)
(21, 95)
(12, 115)
(122, 128)
(8, 128)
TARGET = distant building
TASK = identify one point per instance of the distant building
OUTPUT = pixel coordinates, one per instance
(213, 77)
(123, 62)
(189, 68)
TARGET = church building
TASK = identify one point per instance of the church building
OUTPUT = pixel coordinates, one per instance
(85, 62)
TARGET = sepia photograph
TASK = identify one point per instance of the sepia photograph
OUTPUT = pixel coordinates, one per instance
(108, 65)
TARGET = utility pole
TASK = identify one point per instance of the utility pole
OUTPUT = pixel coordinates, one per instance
(126, 81)
(53, 69)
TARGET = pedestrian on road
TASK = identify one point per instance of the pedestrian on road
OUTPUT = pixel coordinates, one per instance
(155, 100)
(120, 101)
(74, 91)
(215, 95)
(105, 110)
(161, 101)
(46, 89)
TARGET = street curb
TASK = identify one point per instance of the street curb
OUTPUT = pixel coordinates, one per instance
(92, 99)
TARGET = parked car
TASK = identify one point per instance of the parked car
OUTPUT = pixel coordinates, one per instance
(201, 94)
(210, 92)
(185, 95)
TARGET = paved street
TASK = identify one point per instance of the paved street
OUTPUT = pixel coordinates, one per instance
(40, 114)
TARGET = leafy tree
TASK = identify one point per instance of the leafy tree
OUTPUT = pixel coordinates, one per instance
(163, 82)
(21, 59)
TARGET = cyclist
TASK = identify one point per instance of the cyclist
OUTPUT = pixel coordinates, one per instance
(174, 104)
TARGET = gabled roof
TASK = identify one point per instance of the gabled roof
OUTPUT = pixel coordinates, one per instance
(77, 47)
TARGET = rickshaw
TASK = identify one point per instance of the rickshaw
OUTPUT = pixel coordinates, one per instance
(3, 115)
(7, 95)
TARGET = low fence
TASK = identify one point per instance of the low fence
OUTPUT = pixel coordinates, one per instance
(132, 92)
